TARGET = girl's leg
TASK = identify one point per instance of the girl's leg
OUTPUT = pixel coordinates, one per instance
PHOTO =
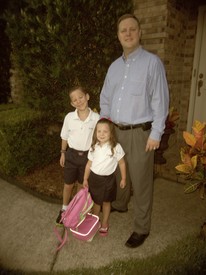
(96, 209)
(106, 208)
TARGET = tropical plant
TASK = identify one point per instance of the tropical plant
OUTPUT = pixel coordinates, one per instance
(193, 157)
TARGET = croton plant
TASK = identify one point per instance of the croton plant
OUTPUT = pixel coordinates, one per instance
(193, 157)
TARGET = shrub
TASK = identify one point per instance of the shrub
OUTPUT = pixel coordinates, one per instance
(57, 44)
(27, 139)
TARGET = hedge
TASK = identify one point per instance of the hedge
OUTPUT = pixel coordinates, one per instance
(28, 139)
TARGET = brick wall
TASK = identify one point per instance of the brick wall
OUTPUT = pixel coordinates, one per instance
(168, 30)
(153, 19)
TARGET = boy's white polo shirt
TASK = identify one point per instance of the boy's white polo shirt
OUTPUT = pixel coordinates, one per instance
(79, 133)
(103, 162)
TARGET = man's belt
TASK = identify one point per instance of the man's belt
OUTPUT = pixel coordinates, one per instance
(145, 126)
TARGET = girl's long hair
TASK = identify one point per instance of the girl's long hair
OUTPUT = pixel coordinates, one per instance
(113, 139)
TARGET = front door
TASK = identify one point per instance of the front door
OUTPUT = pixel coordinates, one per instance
(197, 107)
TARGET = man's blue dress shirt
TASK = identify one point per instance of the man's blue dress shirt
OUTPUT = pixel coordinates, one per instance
(135, 91)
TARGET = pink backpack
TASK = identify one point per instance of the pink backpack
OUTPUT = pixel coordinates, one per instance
(75, 213)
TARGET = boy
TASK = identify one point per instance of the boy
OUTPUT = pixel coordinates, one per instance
(76, 137)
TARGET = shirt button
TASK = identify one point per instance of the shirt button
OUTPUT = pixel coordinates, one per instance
(119, 98)
(117, 111)
(125, 76)
(122, 88)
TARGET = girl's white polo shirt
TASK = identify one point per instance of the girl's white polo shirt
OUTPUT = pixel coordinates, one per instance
(103, 162)
(79, 133)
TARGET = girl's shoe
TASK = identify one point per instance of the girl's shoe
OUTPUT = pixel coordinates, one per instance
(103, 231)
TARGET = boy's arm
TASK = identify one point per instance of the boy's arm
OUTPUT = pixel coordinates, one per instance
(122, 167)
(64, 146)
(63, 151)
(87, 173)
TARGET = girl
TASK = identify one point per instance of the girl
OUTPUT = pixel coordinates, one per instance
(104, 156)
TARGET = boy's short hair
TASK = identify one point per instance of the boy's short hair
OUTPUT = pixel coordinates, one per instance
(81, 88)
(126, 16)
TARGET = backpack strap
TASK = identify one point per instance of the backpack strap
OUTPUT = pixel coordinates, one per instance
(62, 239)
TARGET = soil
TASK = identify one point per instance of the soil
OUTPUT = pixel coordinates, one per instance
(47, 181)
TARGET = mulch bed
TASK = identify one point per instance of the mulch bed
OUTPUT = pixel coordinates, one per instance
(47, 181)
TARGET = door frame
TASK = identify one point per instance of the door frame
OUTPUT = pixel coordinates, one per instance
(193, 88)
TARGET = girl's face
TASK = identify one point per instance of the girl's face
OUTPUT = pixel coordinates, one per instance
(79, 100)
(103, 133)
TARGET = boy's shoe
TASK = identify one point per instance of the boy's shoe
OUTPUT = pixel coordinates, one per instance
(58, 220)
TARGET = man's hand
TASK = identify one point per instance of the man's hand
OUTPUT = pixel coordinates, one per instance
(152, 144)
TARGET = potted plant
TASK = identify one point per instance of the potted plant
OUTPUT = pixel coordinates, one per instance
(193, 166)
(172, 117)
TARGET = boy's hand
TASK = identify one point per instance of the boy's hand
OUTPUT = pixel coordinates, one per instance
(122, 184)
(62, 160)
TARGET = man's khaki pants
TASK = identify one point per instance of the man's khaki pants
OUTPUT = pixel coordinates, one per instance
(139, 177)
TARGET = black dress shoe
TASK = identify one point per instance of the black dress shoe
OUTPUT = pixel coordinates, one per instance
(120, 211)
(136, 240)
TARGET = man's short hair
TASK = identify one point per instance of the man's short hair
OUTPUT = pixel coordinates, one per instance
(126, 16)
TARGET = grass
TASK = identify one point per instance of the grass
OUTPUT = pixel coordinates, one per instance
(184, 257)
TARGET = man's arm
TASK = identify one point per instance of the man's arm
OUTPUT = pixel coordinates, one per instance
(159, 100)
(105, 100)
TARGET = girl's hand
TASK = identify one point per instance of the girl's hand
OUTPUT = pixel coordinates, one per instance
(85, 183)
(122, 184)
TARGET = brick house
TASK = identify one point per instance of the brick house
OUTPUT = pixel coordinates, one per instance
(175, 30)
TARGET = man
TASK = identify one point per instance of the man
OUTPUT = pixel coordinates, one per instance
(135, 97)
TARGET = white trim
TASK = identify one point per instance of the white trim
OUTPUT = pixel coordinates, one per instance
(198, 42)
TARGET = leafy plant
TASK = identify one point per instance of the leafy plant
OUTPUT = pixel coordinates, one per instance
(57, 44)
(193, 157)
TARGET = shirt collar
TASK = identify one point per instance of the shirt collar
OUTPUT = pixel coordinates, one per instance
(133, 55)
(77, 117)
(107, 144)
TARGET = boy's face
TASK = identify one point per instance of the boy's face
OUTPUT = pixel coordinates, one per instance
(79, 100)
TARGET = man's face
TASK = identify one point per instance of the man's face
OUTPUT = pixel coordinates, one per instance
(129, 35)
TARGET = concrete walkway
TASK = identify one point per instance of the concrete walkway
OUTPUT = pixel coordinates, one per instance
(28, 243)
